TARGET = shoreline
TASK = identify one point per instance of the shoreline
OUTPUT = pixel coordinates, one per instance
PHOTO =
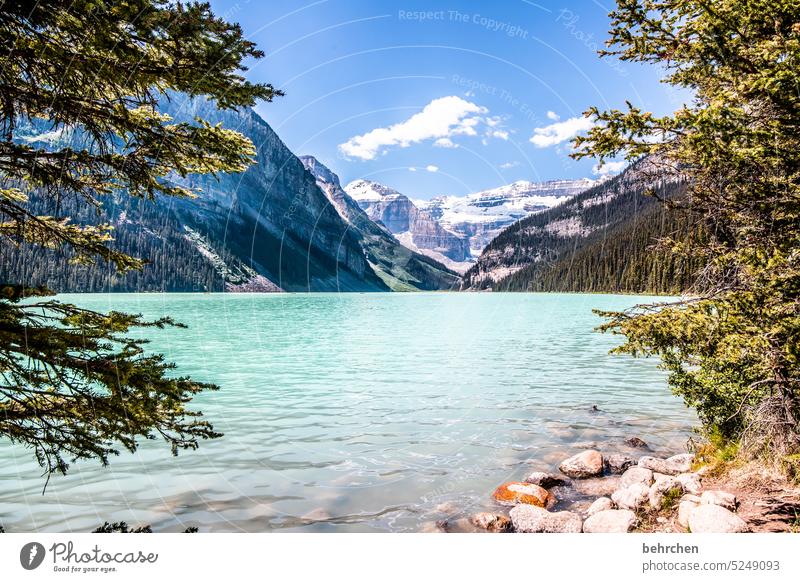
(636, 492)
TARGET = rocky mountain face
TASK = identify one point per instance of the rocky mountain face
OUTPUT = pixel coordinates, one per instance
(599, 240)
(415, 228)
(481, 216)
(269, 228)
(400, 268)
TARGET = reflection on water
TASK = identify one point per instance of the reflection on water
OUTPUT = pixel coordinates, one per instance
(360, 412)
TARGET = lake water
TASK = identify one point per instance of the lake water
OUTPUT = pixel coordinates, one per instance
(360, 412)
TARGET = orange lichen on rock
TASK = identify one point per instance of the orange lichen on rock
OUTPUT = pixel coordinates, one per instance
(516, 492)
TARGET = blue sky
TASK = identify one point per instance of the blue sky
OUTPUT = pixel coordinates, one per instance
(434, 97)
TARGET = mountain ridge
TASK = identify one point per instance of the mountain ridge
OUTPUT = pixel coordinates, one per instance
(416, 228)
(602, 240)
(401, 268)
(267, 228)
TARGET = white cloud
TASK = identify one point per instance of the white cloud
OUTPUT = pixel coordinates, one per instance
(561, 131)
(432, 168)
(445, 142)
(412, 169)
(552, 115)
(608, 168)
(508, 165)
(441, 118)
(500, 134)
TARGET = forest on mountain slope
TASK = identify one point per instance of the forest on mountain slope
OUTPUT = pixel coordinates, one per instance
(603, 240)
(625, 258)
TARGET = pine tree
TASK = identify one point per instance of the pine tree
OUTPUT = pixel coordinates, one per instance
(733, 348)
(72, 384)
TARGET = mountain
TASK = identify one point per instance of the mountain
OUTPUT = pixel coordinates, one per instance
(481, 216)
(415, 228)
(599, 241)
(400, 268)
(268, 228)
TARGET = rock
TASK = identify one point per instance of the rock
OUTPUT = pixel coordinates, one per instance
(721, 498)
(681, 463)
(491, 522)
(636, 475)
(654, 464)
(460, 525)
(634, 497)
(658, 477)
(617, 464)
(610, 521)
(546, 480)
(664, 490)
(691, 482)
(600, 504)
(672, 466)
(318, 514)
(586, 464)
(531, 519)
(636, 443)
(587, 445)
(708, 518)
(597, 487)
(685, 507)
(447, 507)
(516, 492)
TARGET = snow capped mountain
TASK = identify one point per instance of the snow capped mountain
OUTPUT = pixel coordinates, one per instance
(415, 228)
(593, 241)
(459, 227)
(369, 191)
(482, 215)
(399, 265)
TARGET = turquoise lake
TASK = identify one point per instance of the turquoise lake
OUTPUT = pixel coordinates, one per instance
(360, 412)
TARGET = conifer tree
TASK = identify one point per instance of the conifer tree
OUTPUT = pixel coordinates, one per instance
(73, 384)
(733, 346)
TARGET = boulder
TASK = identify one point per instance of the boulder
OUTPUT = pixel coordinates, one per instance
(610, 521)
(617, 464)
(681, 463)
(664, 489)
(583, 465)
(707, 518)
(597, 487)
(658, 477)
(516, 492)
(491, 522)
(691, 482)
(671, 466)
(636, 475)
(531, 519)
(685, 507)
(546, 480)
(721, 498)
(600, 504)
(636, 443)
(634, 497)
